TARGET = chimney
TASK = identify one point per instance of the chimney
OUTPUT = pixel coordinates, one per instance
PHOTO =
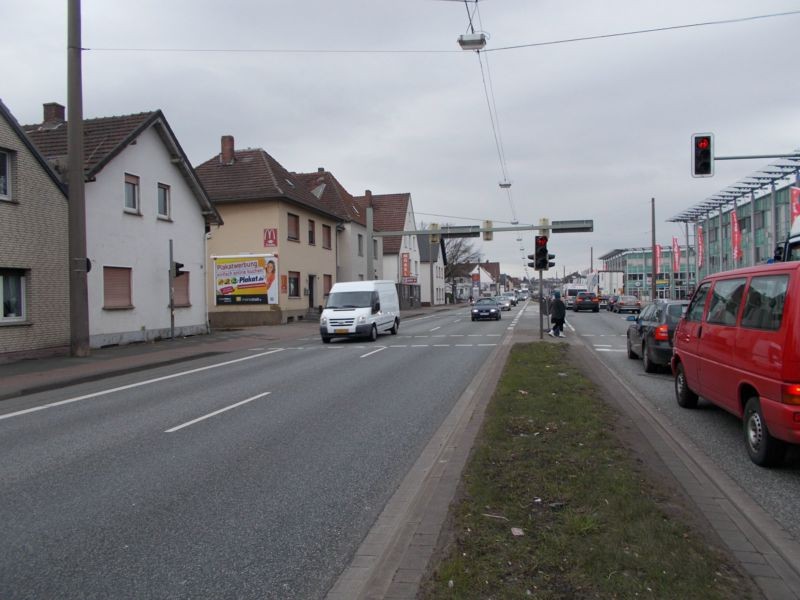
(53, 113)
(368, 195)
(228, 153)
(320, 169)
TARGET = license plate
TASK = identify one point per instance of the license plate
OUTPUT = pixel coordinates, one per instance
(339, 331)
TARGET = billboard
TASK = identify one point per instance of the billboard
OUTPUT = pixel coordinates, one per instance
(246, 279)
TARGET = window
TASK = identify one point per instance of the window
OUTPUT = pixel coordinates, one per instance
(163, 201)
(758, 220)
(725, 301)
(374, 248)
(117, 288)
(131, 193)
(294, 284)
(180, 287)
(326, 236)
(5, 175)
(12, 294)
(695, 310)
(312, 233)
(360, 245)
(763, 308)
(327, 283)
(294, 227)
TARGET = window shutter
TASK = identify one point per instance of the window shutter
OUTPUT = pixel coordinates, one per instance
(117, 287)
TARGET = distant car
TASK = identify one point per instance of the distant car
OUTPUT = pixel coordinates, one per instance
(650, 334)
(523, 296)
(511, 296)
(603, 301)
(612, 300)
(627, 304)
(485, 308)
(586, 301)
(504, 302)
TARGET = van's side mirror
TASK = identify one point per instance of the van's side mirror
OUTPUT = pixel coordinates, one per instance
(778, 256)
(376, 307)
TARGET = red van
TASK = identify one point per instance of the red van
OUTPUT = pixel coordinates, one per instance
(738, 346)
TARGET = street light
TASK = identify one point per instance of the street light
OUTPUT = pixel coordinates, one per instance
(472, 41)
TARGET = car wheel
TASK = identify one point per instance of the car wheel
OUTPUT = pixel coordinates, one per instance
(373, 334)
(473, 318)
(498, 316)
(686, 398)
(647, 363)
(596, 310)
(764, 450)
(326, 339)
(631, 353)
(395, 327)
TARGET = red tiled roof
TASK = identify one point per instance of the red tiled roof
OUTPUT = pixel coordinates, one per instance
(255, 176)
(389, 215)
(103, 138)
(333, 196)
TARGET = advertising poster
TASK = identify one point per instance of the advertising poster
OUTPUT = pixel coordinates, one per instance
(699, 246)
(246, 279)
(658, 258)
(794, 194)
(676, 255)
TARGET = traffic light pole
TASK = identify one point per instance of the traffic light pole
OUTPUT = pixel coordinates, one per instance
(171, 294)
(541, 304)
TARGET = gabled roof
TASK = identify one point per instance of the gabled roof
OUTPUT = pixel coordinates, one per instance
(493, 268)
(106, 137)
(20, 133)
(389, 214)
(333, 196)
(255, 176)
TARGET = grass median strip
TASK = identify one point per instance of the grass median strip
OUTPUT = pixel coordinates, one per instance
(553, 505)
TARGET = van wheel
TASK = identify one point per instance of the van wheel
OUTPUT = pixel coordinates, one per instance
(326, 339)
(764, 450)
(373, 334)
(649, 365)
(395, 327)
(686, 398)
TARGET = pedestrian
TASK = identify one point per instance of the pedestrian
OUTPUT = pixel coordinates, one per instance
(558, 312)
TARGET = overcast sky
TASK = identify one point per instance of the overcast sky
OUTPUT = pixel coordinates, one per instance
(589, 130)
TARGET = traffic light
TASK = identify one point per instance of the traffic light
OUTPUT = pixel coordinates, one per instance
(434, 237)
(487, 235)
(542, 256)
(702, 155)
(177, 269)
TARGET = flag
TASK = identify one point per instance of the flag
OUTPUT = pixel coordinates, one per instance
(676, 256)
(795, 202)
(699, 246)
(736, 237)
(658, 258)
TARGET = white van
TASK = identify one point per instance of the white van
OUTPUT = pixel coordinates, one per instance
(360, 309)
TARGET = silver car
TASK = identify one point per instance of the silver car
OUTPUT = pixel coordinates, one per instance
(504, 302)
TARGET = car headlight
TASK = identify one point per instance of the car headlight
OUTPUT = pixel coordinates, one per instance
(362, 319)
(475, 310)
(323, 320)
(493, 310)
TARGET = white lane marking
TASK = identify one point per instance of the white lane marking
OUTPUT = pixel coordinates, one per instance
(373, 352)
(399, 346)
(611, 349)
(134, 385)
(487, 344)
(420, 336)
(441, 345)
(419, 345)
(603, 346)
(456, 335)
(435, 328)
(216, 412)
(464, 345)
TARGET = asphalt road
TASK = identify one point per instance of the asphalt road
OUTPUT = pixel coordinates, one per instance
(714, 431)
(252, 476)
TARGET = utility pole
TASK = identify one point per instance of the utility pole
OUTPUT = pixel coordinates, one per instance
(653, 226)
(78, 262)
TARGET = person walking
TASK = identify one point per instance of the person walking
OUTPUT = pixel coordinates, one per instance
(558, 313)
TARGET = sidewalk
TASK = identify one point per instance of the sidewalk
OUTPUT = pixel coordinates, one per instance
(30, 376)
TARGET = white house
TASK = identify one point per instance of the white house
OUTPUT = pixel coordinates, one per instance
(142, 197)
(431, 271)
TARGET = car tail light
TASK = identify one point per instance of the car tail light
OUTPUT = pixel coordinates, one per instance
(791, 394)
(661, 333)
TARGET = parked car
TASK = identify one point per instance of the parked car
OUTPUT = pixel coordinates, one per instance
(627, 304)
(738, 347)
(586, 301)
(504, 302)
(612, 300)
(485, 308)
(650, 333)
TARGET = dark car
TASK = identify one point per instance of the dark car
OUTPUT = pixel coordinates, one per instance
(627, 304)
(586, 301)
(486, 308)
(650, 333)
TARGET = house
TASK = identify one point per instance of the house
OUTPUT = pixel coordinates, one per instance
(432, 265)
(34, 249)
(351, 233)
(270, 213)
(401, 260)
(145, 208)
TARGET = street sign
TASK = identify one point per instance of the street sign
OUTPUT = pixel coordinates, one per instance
(584, 226)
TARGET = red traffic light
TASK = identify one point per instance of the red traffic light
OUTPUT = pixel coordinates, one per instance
(703, 143)
(541, 241)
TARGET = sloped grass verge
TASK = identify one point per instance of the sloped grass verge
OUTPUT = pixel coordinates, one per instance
(553, 505)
